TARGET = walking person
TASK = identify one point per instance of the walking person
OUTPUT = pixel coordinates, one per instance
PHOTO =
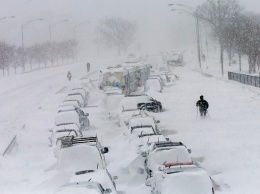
(88, 67)
(69, 75)
(203, 57)
(203, 106)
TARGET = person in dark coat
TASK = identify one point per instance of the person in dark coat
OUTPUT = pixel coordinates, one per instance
(69, 75)
(203, 106)
(88, 67)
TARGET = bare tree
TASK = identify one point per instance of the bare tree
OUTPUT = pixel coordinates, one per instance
(117, 32)
(217, 13)
(6, 52)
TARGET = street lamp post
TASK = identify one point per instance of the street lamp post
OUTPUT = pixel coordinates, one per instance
(51, 25)
(192, 11)
(26, 24)
(22, 28)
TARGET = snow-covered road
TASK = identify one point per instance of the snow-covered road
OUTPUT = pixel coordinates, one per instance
(226, 143)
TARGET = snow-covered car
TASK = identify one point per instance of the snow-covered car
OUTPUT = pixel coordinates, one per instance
(64, 108)
(83, 117)
(178, 178)
(71, 103)
(90, 182)
(81, 154)
(72, 117)
(63, 130)
(78, 97)
(159, 77)
(143, 141)
(155, 84)
(160, 153)
(82, 91)
(152, 106)
(165, 78)
(142, 130)
(58, 132)
(129, 106)
(142, 119)
(175, 58)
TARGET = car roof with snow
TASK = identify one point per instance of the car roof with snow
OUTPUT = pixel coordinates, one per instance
(186, 179)
(77, 97)
(117, 69)
(142, 120)
(163, 155)
(71, 126)
(81, 90)
(94, 181)
(101, 176)
(76, 93)
(70, 103)
(66, 108)
(80, 157)
(68, 117)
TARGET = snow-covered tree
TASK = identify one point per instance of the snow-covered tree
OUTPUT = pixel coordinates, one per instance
(117, 32)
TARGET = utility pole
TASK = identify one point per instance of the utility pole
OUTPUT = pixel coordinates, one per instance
(98, 42)
(198, 40)
(192, 11)
(220, 38)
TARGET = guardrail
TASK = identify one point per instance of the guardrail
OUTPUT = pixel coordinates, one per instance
(10, 146)
(244, 79)
(61, 90)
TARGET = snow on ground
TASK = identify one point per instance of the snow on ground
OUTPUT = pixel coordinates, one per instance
(225, 143)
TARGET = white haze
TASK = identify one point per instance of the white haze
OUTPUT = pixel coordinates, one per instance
(159, 28)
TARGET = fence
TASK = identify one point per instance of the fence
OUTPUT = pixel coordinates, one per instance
(244, 79)
(11, 145)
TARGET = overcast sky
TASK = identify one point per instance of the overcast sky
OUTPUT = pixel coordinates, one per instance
(158, 26)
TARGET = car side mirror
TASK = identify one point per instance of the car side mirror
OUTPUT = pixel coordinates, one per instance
(189, 150)
(105, 150)
(168, 139)
(158, 121)
(144, 154)
(108, 191)
(115, 178)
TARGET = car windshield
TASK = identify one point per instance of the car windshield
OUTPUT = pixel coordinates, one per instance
(141, 121)
(142, 131)
(80, 157)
